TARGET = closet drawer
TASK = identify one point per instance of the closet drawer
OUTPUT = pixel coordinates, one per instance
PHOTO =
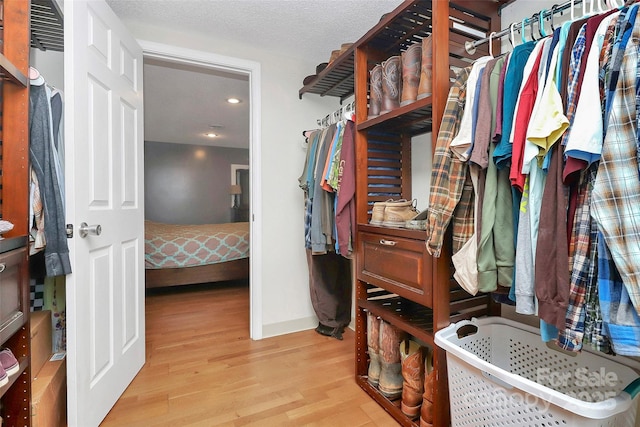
(11, 311)
(397, 264)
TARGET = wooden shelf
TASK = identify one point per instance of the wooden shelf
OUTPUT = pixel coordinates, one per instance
(391, 406)
(11, 73)
(392, 231)
(409, 316)
(15, 404)
(413, 119)
(24, 363)
(335, 80)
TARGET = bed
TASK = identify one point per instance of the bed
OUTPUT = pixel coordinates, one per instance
(177, 254)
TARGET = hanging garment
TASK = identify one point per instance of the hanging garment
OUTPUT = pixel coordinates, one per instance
(346, 208)
(330, 288)
(448, 172)
(616, 192)
(40, 153)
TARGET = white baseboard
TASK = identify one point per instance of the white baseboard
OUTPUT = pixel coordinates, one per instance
(291, 326)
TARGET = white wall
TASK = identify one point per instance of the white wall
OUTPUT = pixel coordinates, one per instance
(421, 158)
(50, 64)
(286, 302)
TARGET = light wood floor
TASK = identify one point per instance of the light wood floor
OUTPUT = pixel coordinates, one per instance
(203, 370)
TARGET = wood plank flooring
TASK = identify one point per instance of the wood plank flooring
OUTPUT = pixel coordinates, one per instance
(203, 370)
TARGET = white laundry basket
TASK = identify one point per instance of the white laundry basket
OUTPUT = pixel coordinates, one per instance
(502, 374)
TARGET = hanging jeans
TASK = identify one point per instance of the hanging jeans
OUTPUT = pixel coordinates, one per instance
(330, 288)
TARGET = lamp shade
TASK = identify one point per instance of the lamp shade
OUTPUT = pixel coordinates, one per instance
(235, 189)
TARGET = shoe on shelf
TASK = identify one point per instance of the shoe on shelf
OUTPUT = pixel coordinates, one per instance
(418, 222)
(4, 377)
(396, 214)
(377, 212)
(9, 362)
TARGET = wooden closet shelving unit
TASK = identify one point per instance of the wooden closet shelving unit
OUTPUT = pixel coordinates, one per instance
(15, 397)
(401, 282)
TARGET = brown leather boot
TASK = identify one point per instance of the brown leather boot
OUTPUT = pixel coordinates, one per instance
(424, 88)
(375, 91)
(426, 411)
(410, 73)
(390, 384)
(391, 84)
(373, 343)
(412, 358)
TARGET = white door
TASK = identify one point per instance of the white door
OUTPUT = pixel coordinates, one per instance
(104, 163)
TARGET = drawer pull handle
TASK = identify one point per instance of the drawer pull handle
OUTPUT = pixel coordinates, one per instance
(387, 242)
(2, 267)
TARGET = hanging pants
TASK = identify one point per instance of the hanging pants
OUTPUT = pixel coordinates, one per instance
(330, 288)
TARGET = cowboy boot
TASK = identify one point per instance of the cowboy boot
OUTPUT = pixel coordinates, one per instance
(424, 88)
(390, 383)
(410, 73)
(413, 378)
(373, 343)
(375, 93)
(426, 411)
(391, 83)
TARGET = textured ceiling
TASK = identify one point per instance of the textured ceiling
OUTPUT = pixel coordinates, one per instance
(309, 28)
(181, 102)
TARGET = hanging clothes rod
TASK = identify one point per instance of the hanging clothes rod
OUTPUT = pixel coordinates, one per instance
(470, 46)
(336, 116)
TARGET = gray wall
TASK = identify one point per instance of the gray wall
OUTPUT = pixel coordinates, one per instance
(189, 184)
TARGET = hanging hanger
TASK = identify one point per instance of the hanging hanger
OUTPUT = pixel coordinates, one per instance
(532, 21)
(491, 44)
(512, 38)
(573, 4)
(553, 11)
(541, 30)
(522, 27)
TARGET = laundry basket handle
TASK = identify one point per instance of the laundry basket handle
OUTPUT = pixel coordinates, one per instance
(633, 389)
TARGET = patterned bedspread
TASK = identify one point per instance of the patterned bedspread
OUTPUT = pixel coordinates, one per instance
(173, 246)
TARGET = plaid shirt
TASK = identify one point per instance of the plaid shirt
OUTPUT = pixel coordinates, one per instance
(449, 173)
(616, 193)
(619, 315)
(594, 332)
(571, 337)
(574, 76)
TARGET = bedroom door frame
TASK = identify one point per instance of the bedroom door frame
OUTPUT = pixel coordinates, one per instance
(252, 70)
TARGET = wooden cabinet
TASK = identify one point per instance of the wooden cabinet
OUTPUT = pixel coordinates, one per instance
(396, 278)
(15, 397)
(396, 261)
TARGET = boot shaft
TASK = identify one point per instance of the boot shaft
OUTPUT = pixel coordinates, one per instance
(424, 88)
(391, 84)
(390, 338)
(375, 91)
(411, 60)
(412, 356)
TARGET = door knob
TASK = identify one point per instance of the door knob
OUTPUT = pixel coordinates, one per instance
(85, 229)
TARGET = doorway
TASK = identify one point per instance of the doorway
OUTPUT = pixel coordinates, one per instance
(251, 69)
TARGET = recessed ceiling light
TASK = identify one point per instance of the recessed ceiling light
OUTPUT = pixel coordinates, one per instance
(233, 101)
(211, 134)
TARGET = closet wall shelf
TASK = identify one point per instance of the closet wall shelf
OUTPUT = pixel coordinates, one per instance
(392, 231)
(396, 277)
(393, 407)
(47, 26)
(11, 73)
(413, 119)
(15, 397)
(335, 80)
(407, 315)
(24, 362)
